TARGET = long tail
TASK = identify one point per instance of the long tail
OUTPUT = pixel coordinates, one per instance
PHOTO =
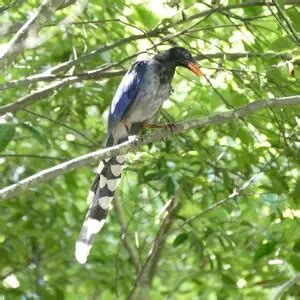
(100, 196)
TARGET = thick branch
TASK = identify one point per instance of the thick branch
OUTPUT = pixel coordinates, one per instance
(13, 28)
(100, 74)
(29, 29)
(158, 135)
(141, 289)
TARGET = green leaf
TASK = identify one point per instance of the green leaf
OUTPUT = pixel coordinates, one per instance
(146, 16)
(7, 132)
(264, 250)
(182, 237)
(296, 247)
(253, 11)
(296, 192)
(283, 43)
(228, 280)
(294, 16)
(294, 260)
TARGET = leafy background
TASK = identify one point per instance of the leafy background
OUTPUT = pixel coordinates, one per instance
(247, 247)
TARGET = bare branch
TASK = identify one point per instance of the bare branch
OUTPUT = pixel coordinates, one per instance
(16, 155)
(88, 75)
(13, 28)
(5, 30)
(287, 21)
(99, 73)
(141, 289)
(49, 89)
(63, 125)
(29, 29)
(66, 80)
(158, 135)
(286, 286)
(235, 193)
(159, 30)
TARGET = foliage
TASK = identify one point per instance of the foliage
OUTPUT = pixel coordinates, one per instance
(245, 248)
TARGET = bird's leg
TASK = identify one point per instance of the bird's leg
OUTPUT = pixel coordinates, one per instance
(170, 126)
(126, 126)
(132, 138)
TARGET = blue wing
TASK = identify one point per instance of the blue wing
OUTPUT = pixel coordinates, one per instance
(126, 93)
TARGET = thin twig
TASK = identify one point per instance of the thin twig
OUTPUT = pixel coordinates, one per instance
(31, 156)
(131, 248)
(64, 125)
(287, 21)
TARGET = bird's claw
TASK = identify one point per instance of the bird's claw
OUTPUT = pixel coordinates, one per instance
(170, 126)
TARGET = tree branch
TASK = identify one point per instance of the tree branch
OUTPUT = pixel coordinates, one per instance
(131, 248)
(88, 75)
(29, 29)
(5, 30)
(160, 30)
(57, 85)
(30, 156)
(234, 195)
(131, 145)
(286, 286)
(13, 28)
(287, 21)
(100, 74)
(141, 288)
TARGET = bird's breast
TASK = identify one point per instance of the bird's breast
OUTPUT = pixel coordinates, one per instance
(153, 92)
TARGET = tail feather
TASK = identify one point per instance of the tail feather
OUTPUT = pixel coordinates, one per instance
(102, 191)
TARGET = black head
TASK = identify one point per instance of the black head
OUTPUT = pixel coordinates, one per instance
(182, 57)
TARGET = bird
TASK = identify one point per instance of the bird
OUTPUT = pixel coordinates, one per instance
(140, 95)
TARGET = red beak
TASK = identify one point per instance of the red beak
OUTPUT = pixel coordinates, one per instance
(194, 68)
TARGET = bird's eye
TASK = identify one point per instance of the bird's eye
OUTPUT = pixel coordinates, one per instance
(186, 56)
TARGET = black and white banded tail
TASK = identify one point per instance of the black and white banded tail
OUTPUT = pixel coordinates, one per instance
(99, 199)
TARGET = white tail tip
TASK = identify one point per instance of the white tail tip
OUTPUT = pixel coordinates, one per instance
(82, 251)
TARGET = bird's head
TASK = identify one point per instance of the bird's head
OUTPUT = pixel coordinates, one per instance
(183, 57)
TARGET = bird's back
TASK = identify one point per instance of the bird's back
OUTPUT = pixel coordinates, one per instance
(153, 92)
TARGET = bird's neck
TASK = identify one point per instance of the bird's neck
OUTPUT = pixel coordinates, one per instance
(165, 58)
(165, 67)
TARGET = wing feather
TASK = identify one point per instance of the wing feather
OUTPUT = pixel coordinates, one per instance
(126, 93)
